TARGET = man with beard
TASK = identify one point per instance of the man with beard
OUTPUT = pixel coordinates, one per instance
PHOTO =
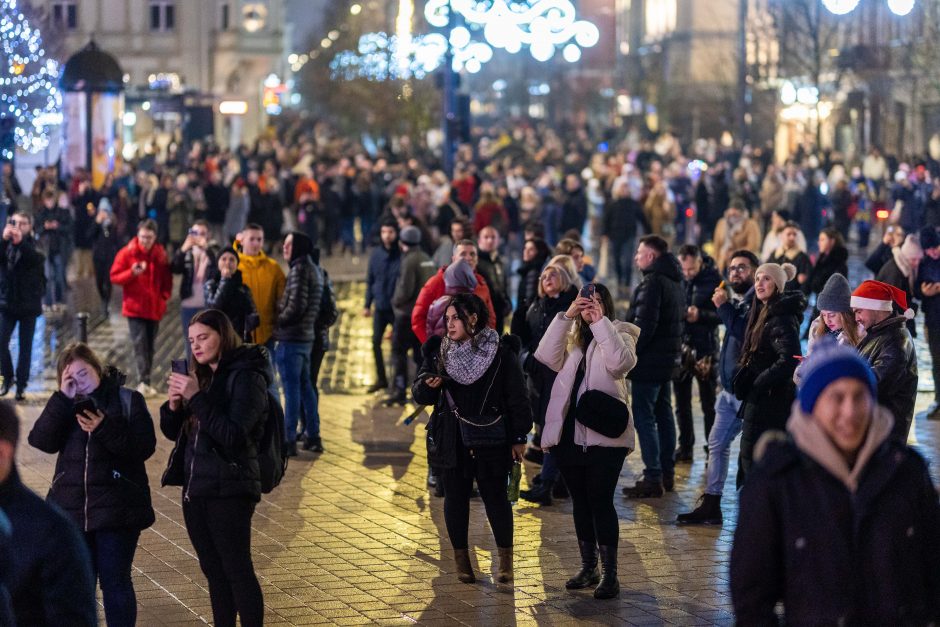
(733, 310)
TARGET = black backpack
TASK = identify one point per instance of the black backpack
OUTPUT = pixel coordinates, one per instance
(328, 311)
(272, 455)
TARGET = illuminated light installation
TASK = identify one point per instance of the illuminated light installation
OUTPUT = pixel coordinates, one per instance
(406, 11)
(542, 25)
(840, 7)
(28, 90)
(370, 60)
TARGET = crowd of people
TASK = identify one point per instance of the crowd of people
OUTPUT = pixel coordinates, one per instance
(512, 298)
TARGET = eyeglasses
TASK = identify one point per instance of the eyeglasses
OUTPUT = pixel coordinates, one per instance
(738, 268)
(549, 275)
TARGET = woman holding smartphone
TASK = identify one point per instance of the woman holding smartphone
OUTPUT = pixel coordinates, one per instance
(471, 375)
(103, 434)
(216, 416)
(590, 351)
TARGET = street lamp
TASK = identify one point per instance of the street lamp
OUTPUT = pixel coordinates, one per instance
(844, 7)
(901, 7)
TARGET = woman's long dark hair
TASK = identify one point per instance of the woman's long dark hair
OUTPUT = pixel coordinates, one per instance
(228, 340)
(756, 320)
(466, 305)
(582, 328)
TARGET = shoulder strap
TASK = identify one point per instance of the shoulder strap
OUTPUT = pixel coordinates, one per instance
(126, 395)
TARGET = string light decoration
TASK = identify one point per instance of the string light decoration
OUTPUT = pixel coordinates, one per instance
(28, 84)
(379, 57)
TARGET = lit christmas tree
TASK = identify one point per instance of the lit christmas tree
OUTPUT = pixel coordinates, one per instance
(28, 80)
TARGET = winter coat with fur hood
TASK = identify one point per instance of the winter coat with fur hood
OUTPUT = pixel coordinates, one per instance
(610, 356)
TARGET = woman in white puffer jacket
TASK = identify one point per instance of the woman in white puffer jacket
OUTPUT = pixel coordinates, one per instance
(589, 351)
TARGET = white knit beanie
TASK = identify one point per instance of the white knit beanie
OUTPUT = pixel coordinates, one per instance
(779, 273)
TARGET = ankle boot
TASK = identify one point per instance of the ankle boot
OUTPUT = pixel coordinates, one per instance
(708, 512)
(588, 575)
(504, 574)
(609, 587)
(464, 569)
(541, 494)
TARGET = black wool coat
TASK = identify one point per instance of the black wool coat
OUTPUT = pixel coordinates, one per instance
(506, 397)
(833, 557)
(22, 278)
(658, 308)
(100, 479)
(702, 335)
(835, 261)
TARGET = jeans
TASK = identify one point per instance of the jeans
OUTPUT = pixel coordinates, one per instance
(655, 427)
(143, 335)
(293, 364)
(186, 314)
(404, 340)
(457, 489)
(726, 428)
(112, 554)
(381, 319)
(27, 328)
(621, 251)
(592, 500)
(55, 279)
(550, 470)
(220, 530)
(706, 391)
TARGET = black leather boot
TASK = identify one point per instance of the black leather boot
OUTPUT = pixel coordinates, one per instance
(609, 587)
(541, 494)
(588, 575)
(644, 489)
(708, 512)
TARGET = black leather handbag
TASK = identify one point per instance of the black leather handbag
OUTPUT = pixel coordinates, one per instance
(480, 430)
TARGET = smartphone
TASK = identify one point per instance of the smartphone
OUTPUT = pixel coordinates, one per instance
(179, 366)
(588, 291)
(11, 221)
(80, 406)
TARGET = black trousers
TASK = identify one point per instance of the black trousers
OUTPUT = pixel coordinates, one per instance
(381, 320)
(933, 342)
(143, 335)
(592, 490)
(404, 340)
(708, 392)
(220, 530)
(27, 327)
(457, 489)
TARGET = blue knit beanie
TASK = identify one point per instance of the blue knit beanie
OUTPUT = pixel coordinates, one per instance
(830, 361)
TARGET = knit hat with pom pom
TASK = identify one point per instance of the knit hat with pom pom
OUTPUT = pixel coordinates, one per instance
(779, 273)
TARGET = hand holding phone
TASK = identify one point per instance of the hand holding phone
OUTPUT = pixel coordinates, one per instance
(80, 406)
(588, 291)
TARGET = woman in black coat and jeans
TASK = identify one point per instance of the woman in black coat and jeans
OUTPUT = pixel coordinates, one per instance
(470, 373)
(764, 381)
(100, 479)
(216, 416)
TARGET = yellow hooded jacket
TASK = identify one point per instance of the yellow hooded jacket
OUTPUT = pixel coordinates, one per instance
(266, 280)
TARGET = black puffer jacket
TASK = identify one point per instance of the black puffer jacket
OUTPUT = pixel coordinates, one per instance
(873, 554)
(300, 303)
(22, 278)
(233, 298)
(506, 397)
(183, 263)
(835, 261)
(889, 349)
(658, 308)
(100, 479)
(702, 335)
(765, 381)
(216, 453)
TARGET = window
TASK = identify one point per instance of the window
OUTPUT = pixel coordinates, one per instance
(162, 15)
(660, 18)
(225, 18)
(65, 14)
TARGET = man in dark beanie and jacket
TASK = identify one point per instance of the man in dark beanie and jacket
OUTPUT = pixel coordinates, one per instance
(50, 580)
(889, 349)
(381, 276)
(927, 289)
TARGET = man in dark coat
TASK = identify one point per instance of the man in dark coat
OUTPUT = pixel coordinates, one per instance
(889, 349)
(490, 265)
(574, 209)
(837, 521)
(49, 578)
(382, 274)
(621, 217)
(927, 289)
(22, 284)
(658, 308)
(699, 346)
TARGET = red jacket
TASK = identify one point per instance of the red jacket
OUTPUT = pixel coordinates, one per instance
(433, 290)
(145, 295)
(491, 214)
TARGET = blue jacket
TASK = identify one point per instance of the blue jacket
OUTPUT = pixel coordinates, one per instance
(929, 272)
(734, 317)
(384, 267)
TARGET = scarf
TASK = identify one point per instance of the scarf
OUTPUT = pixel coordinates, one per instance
(200, 265)
(465, 362)
(812, 440)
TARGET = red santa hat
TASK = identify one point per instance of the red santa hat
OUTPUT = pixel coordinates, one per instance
(879, 296)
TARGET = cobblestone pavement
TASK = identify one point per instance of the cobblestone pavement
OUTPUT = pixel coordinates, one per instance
(352, 536)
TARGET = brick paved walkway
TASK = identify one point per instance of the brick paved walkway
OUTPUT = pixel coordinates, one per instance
(352, 536)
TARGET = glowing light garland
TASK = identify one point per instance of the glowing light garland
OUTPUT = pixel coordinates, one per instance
(28, 90)
(379, 57)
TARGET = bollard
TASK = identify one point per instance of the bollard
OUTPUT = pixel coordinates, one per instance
(82, 317)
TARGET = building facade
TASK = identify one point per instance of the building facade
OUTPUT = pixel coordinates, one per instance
(181, 57)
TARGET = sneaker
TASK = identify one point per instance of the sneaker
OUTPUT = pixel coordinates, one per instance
(644, 489)
(146, 391)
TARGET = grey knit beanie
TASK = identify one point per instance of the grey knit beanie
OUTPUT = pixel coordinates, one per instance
(836, 295)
